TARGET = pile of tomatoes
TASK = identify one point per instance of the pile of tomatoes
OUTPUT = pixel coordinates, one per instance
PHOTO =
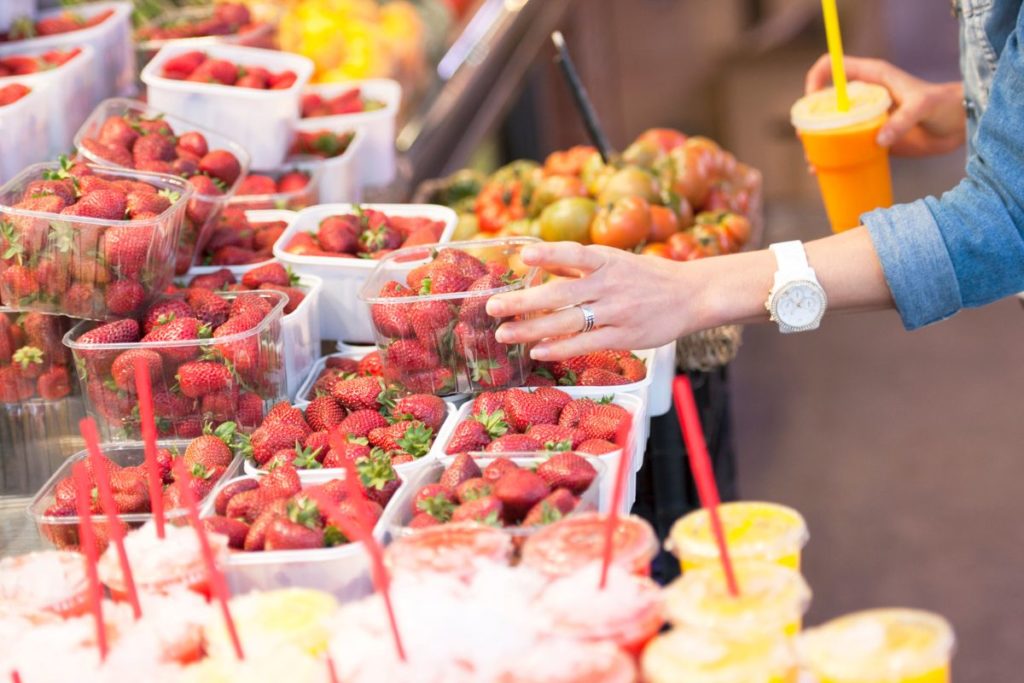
(667, 194)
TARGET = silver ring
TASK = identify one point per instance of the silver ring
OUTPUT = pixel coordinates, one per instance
(588, 318)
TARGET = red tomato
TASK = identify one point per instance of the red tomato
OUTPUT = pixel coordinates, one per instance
(665, 139)
(568, 162)
(624, 225)
(664, 223)
(656, 249)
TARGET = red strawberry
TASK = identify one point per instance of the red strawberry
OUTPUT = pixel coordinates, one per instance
(123, 297)
(293, 181)
(411, 437)
(436, 381)
(198, 378)
(252, 304)
(596, 447)
(221, 165)
(299, 457)
(360, 423)
(193, 142)
(523, 409)
(599, 377)
(462, 468)
(491, 373)
(430, 322)
(254, 184)
(284, 534)
(29, 360)
(20, 282)
(422, 520)
(371, 365)
(202, 480)
(126, 250)
(444, 278)
(179, 329)
(488, 402)
(350, 453)
(467, 264)
(153, 147)
(164, 312)
(272, 437)
(555, 437)
(324, 412)
(117, 332)
(432, 491)
(318, 442)
(393, 320)
(519, 490)
(107, 204)
(576, 410)
(568, 371)
(339, 234)
(117, 131)
(469, 435)
(181, 66)
(552, 395)
(428, 409)
(280, 482)
(130, 489)
(54, 384)
(567, 470)
(232, 528)
(250, 409)
(255, 539)
(475, 342)
(498, 468)
(604, 422)
(285, 413)
(513, 443)
(377, 477)
(220, 503)
(218, 279)
(409, 355)
(212, 449)
(208, 307)
(244, 504)
(272, 273)
(14, 388)
(551, 509)
(215, 71)
(486, 510)
(474, 488)
(633, 368)
(359, 393)
(473, 310)
(123, 368)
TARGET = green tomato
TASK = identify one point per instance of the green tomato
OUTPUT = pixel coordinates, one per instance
(467, 227)
(524, 227)
(461, 186)
(521, 169)
(631, 181)
(568, 219)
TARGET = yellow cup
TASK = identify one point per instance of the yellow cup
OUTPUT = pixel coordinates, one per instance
(693, 656)
(880, 646)
(852, 168)
(754, 531)
(772, 600)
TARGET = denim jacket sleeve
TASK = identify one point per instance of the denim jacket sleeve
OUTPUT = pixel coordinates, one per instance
(967, 247)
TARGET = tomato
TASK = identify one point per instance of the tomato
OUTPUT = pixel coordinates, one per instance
(624, 224)
(683, 246)
(498, 203)
(462, 185)
(656, 249)
(631, 181)
(664, 223)
(595, 173)
(665, 139)
(568, 219)
(467, 227)
(569, 162)
(553, 188)
(524, 227)
(521, 169)
(737, 226)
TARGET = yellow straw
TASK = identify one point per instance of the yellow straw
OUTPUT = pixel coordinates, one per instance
(835, 51)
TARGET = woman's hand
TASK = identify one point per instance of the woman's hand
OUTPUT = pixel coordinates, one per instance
(638, 301)
(928, 117)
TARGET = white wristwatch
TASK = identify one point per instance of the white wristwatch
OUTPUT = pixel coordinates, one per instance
(797, 301)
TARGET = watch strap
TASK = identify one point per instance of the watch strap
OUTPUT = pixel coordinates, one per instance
(791, 258)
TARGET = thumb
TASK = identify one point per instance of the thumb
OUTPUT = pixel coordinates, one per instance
(910, 112)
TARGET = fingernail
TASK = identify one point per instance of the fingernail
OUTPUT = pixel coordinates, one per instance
(885, 137)
(539, 353)
(493, 307)
(529, 253)
(501, 336)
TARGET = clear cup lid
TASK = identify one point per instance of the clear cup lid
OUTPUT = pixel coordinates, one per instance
(818, 111)
(753, 530)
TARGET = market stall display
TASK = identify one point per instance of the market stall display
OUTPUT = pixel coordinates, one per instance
(220, 22)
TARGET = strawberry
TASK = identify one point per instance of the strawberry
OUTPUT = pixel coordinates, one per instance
(198, 378)
(351, 452)
(220, 406)
(222, 165)
(126, 250)
(491, 373)
(256, 538)
(485, 510)
(319, 443)
(254, 184)
(436, 381)
(212, 449)
(208, 307)
(226, 526)
(428, 409)
(324, 412)
(599, 377)
(215, 71)
(552, 395)
(250, 409)
(164, 312)
(360, 393)
(462, 468)
(604, 422)
(342, 364)
(498, 467)
(444, 278)
(469, 435)
(285, 534)
(474, 488)
(576, 410)
(117, 332)
(553, 508)
(555, 437)
(14, 388)
(300, 457)
(244, 504)
(339, 234)
(181, 66)
(272, 437)
(377, 477)
(123, 368)
(123, 297)
(194, 143)
(412, 437)
(285, 413)
(294, 294)
(488, 402)
(360, 423)
(422, 520)
(20, 283)
(116, 130)
(569, 471)
(153, 147)
(202, 480)
(524, 409)
(633, 368)
(224, 496)
(569, 370)
(29, 360)
(280, 482)
(251, 304)
(106, 204)
(474, 307)
(54, 384)
(218, 279)
(293, 181)
(432, 491)
(467, 264)
(596, 447)
(130, 489)
(165, 464)
(393, 320)
(272, 273)
(409, 355)
(519, 490)
(431, 320)
(179, 329)
(513, 443)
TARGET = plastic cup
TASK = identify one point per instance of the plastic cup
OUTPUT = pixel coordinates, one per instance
(43, 584)
(773, 599)
(570, 661)
(754, 531)
(454, 549)
(696, 656)
(852, 168)
(569, 545)
(880, 646)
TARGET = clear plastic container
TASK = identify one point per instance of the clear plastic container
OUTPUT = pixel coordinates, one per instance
(663, 372)
(254, 217)
(340, 176)
(203, 210)
(572, 543)
(62, 532)
(283, 201)
(258, 34)
(255, 363)
(378, 152)
(114, 67)
(455, 549)
(695, 656)
(41, 402)
(305, 392)
(343, 571)
(12, 10)
(457, 367)
(60, 251)
(23, 130)
(301, 332)
(345, 317)
(69, 89)
(262, 121)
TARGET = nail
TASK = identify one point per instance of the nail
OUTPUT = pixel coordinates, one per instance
(885, 137)
(539, 353)
(494, 307)
(501, 336)
(530, 253)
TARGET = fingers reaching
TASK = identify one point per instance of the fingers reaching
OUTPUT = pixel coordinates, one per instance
(600, 339)
(819, 75)
(564, 256)
(552, 295)
(907, 115)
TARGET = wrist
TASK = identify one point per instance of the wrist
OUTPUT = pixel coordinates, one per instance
(731, 289)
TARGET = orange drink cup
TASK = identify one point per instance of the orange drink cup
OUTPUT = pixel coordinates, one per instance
(772, 600)
(754, 531)
(880, 646)
(688, 655)
(852, 168)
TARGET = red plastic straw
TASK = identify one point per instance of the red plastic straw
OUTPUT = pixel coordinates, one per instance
(102, 476)
(87, 542)
(624, 441)
(143, 385)
(16, 677)
(332, 673)
(703, 474)
(216, 578)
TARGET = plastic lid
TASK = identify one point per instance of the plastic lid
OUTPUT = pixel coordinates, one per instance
(289, 617)
(818, 111)
(754, 530)
(879, 644)
(686, 654)
(574, 542)
(771, 598)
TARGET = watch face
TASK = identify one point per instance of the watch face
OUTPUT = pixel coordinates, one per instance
(799, 305)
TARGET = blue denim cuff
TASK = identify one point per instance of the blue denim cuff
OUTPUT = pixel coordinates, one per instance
(916, 263)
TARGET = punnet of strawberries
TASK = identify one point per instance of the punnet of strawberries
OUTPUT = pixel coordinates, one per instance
(276, 512)
(88, 241)
(24, 64)
(212, 357)
(505, 492)
(597, 369)
(237, 241)
(357, 418)
(223, 19)
(271, 276)
(430, 319)
(198, 67)
(129, 134)
(325, 144)
(34, 363)
(339, 366)
(541, 419)
(63, 22)
(350, 101)
(290, 189)
(364, 233)
(207, 458)
(12, 92)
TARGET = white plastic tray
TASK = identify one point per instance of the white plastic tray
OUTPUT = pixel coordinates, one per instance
(339, 176)
(23, 139)
(300, 331)
(254, 216)
(659, 398)
(15, 9)
(343, 571)
(345, 317)
(114, 66)
(262, 121)
(378, 154)
(636, 408)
